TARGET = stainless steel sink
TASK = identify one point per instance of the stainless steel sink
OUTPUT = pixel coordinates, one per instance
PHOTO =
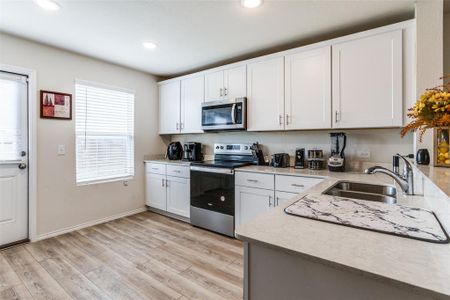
(363, 191)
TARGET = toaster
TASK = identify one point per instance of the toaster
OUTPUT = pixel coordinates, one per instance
(280, 160)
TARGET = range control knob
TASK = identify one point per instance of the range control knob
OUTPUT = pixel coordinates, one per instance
(217, 147)
(221, 147)
(246, 148)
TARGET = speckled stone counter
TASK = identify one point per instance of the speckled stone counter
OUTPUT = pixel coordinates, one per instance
(440, 176)
(409, 263)
(168, 161)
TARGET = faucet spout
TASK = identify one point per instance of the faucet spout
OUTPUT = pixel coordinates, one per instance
(402, 182)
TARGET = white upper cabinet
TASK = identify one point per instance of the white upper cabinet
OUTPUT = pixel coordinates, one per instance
(169, 107)
(226, 84)
(235, 82)
(308, 89)
(367, 82)
(214, 86)
(265, 95)
(192, 95)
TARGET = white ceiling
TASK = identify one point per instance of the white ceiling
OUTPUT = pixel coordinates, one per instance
(191, 34)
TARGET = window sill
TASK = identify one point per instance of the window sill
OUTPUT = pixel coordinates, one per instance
(105, 181)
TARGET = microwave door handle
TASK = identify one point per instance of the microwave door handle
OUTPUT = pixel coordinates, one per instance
(233, 114)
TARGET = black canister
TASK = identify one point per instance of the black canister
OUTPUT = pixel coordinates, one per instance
(423, 157)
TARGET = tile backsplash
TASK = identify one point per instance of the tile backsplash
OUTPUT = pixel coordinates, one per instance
(382, 144)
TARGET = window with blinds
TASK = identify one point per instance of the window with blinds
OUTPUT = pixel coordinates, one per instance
(104, 129)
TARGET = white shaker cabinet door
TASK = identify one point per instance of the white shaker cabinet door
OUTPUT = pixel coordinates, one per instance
(265, 95)
(250, 203)
(155, 191)
(178, 196)
(214, 87)
(235, 82)
(169, 107)
(282, 197)
(308, 89)
(367, 82)
(192, 96)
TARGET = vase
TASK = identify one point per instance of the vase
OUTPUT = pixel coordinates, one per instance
(442, 147)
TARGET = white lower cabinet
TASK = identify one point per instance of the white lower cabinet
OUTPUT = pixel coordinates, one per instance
(251, 202)
(256, 193)
(178, 196)
(166, 192)
(281, 197)
(155, 194)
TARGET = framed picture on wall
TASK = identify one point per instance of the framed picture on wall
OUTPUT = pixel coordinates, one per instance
(55, 105)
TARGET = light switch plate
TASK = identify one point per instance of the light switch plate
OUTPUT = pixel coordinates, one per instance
(365, 154)
(61, 149)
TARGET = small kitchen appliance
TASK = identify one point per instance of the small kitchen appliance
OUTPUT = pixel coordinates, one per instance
(299, 158)
(192, 151)
(280, 160)
(228, 114)
(315, 159)
(257, 154)
(174, 151)
(336, 162)
(423, 157)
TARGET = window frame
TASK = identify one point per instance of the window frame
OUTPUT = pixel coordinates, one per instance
(133, 163)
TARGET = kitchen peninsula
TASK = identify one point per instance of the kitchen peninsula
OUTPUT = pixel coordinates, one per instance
(295, 256)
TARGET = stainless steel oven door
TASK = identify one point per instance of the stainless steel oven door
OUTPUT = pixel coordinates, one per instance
(224, 114)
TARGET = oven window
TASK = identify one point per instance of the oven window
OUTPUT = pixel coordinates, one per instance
(213, 191)
(217, 115)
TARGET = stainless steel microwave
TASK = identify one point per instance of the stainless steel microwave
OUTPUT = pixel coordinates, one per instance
(225, 115)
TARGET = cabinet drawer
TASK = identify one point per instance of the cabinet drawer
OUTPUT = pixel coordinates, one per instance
(256, 180)
(155, 168)
(178, 171)
(294, 184)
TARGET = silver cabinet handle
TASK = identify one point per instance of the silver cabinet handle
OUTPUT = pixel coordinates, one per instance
(177, 171)
(338, 116)
(297, 185)
(181, 125)
(177, 125)
(252, 180)
(287, 119)
(277, 201)
(221, 92)
(162, 182)
(279, 119)
(225, 91)
(270, 202)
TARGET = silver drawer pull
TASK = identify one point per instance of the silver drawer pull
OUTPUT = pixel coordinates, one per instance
(252, 180)
(210, 204)
(297, 185)
(177, 171)
(154, 168)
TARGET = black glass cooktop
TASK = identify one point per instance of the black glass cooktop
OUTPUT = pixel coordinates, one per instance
(221, 164)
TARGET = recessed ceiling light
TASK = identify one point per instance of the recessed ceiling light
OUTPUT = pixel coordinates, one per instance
(149, 45)
(48, 4)
(251, 3)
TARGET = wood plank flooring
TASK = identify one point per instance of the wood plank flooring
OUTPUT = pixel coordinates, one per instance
(144, 256)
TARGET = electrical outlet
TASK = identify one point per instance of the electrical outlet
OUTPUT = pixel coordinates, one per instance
(363, 154)
(61, 149)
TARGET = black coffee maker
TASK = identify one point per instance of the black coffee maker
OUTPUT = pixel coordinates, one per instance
(192, 151)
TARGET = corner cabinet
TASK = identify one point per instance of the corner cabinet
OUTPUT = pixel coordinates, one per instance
(367, 82)
(169, 107)
(226, 84)
(167, 188)
(308, 89)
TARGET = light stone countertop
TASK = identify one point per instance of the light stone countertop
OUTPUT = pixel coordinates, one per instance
(419, 265)
(168, 161)
(440, 176)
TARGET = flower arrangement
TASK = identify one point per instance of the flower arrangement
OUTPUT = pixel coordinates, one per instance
(430, 111)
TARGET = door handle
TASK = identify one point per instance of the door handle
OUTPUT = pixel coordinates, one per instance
(162, 182)
(287, 119)
(22, 166)
(225, 91)
(233, 114)
(279, 119)
(277, 201)
(221, 92)
(270, 202)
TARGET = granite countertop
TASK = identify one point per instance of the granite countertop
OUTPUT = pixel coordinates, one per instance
(440, 176)
(419, 265)
(167, 161)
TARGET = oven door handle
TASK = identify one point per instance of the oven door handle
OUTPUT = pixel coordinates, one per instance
(233, 114)
(213, 170)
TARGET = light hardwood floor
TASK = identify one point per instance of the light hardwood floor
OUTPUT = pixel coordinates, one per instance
(144, 256)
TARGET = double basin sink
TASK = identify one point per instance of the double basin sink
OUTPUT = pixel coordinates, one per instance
(363, 191)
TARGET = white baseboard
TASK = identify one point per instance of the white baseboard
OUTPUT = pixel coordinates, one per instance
(86, 224)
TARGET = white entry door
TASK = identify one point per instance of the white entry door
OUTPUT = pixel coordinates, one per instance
(13, 158)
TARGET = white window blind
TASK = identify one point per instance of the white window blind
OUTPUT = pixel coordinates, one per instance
(104, 125)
